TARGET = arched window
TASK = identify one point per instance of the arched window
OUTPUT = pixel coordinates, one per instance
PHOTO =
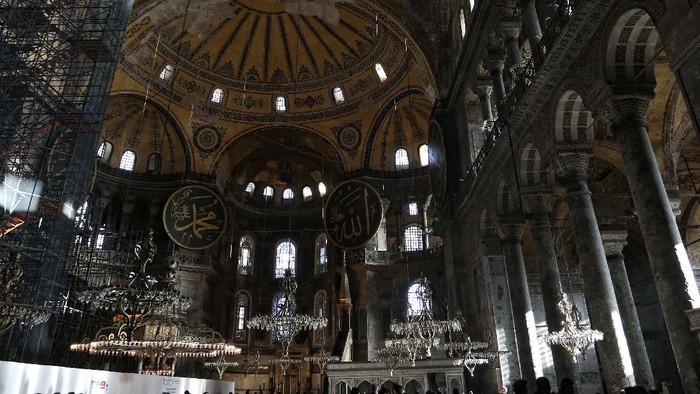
(380, 72)
(413, 208)
(419, 297)
(105, 151)
(246, 252)
(288, 195)
(280, 105)
(462, 23)
(128, 161)
(321, 189)
(285, 258)
(401, 159)
(154, 160)
(167, 72)
(338, 95)
(320, 310)
(268, 192)
(306, 193)
(217, 96)
(412, 238)
(423, 154)
(242, 308)
(250, 189)
(321, 254)
(471, 5)
(280, 307)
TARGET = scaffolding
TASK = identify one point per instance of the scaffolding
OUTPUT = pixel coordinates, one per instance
(57, 61)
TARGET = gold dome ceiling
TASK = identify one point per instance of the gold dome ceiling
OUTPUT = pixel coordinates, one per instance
(257, 50)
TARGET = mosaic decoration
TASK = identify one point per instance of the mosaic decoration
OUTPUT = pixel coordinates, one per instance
(207, 139)
(349, 136)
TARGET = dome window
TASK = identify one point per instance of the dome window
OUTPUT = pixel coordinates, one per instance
(285, 258)
(401, 159)
(167, 72)
(471, 5)
(128, 161)
(104, 152)
(462, 23)
(322, 189)
(380, 72)
(288, 195)
(423, 155)
(250, 189)
(413, 208)
(338, 95)
(280, 105)
(413, 238)
(217, 96)
(268, 192)
(306, 194)
(153, 165)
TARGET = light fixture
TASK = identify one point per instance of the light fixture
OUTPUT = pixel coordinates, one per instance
(572, 336)
(322, 359)
(285, 323)
(220, 365)
(420, 332)
(392, 355)
(247, 364)
(12, 313)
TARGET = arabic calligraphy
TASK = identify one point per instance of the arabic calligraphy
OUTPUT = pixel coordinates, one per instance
(194, 217)
(353, 214)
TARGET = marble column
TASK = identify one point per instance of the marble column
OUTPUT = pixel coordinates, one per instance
(597, 285)
(511, 32)
(531, 24)
(495, 65)
(673, 274)
(613, 242)
(510, 230)
(536, 202)
(484, 94)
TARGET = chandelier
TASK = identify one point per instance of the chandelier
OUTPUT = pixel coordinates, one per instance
(254, 364)
(420, 332)
(391, 355)
(284, 323)
(148, 319)
(12, 313)
(322, 359)
(467, 353)
(220, 365)
(285, 362)
(572, 336)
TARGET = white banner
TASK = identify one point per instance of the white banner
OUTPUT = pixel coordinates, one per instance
(18, 378)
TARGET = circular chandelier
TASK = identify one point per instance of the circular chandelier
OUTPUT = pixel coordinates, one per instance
(284, 322)
(247, 364)
(148, 319)
(285, 362)
(392, 355)
(420, 331)
(572, 336)
(220, 365)
(12, 313)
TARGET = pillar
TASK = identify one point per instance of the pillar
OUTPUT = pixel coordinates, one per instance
(484, 94)
(673, 274)
(531, 24)
(536, 204)
(511, 33)
(495, 65)
(597, 285)
(613, 242)
(510, 230)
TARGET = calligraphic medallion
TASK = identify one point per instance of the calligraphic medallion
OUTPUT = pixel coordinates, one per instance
(353, 214)
(194, 217)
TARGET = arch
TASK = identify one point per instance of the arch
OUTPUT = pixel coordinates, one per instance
(154, 162)
(401, 159)
(250, 189)
(338, 95)
(530, 165)
(341, 387)
(455, 384)
(306, 194)
(282, 307)
(166, 73)
(365, 387)
(462, 22)
(413, 208)
(280, 105)
(242, 313)
(413, 386)
(285, 258)
(217, 96)
(320, 310)
(105, 151)
(288, 195)
(424, 155)
(246, 255)
(268, 193)
(487, 224)
(419, 297)
(504, 199)
(631, 47)
(128, 160)
(321, 249)
(572, 122)
(412, 238)
(322, 189)
(381, 73)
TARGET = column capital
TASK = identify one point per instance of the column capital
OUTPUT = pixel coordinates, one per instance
(626, 103)
(572, 163)
(509, 229)
(510, 29)
(536, 200)
(613, 241)
(483, 90)
(495, 62)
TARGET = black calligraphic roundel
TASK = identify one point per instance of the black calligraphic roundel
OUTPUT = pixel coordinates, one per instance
(353, 214)
(194, 217)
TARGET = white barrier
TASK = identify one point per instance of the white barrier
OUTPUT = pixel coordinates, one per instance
(18, 378)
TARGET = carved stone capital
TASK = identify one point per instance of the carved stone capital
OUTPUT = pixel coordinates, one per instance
(626, 104)
(510, 29)
(536, 200)
(483, 91)
(674, 195)
(495, 62)
(571, 164)
(613, 241)
(509, 229)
